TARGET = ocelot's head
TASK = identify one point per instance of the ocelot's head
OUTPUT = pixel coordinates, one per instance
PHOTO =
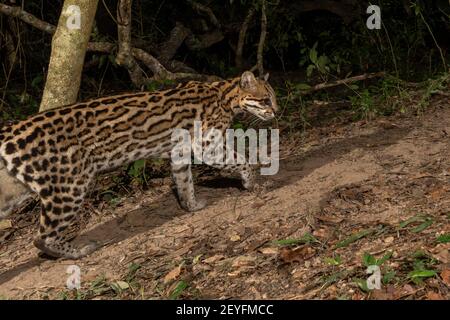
(257, 96)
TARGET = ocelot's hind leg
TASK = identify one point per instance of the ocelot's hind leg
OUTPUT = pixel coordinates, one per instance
(58, 215)
(182, 177)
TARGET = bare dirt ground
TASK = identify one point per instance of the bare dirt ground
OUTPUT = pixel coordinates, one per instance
(346, 195)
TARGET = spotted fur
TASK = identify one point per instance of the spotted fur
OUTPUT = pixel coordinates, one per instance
(57, 153)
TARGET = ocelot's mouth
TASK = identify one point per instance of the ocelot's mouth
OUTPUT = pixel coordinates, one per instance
(266, 116)
(262, 114)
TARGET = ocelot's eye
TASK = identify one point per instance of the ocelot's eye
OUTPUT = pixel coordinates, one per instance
(268, 102)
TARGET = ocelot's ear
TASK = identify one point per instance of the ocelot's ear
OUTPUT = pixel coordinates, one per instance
(266, 77)
(248, 81)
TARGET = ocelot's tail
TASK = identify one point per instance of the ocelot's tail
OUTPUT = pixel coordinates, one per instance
(12, 192)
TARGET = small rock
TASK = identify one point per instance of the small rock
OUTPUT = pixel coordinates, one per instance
(235, 238)
(389, 239)
(5, 224)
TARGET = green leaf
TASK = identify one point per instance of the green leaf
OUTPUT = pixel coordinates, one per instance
(333, 261)
(119, 286)
(102, 60)
(353, 238)
(36, 81)
(309, 70)
(421, 274)
(383, 259)
(445, 238)
(362, 284)
(369, 260)
(136, 168)
(322, 63)
(388, 277)
(403, 224)
(354, 86)
(305, 239)
(181, 286)
(302, 87)
(422, 226)
(313, 54)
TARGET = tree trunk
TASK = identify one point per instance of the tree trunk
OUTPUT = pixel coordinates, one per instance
(68, 52)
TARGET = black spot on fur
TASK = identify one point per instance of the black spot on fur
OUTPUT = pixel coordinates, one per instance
(10, 148)
(94, 104)
(65, 111)
(21, 143)
(46, 192)
(154, 99)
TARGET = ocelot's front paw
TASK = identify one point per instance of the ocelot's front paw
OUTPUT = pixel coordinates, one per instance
(193, 205)
(248, 180)
(88, 249)
(248, 185)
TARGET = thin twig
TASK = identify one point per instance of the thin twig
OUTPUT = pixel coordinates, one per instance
(326, 85)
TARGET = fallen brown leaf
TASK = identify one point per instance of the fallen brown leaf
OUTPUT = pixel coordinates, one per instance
(288, 255)
(268, 250)
(431, 295)
(329, 219)
(243, 261)
(213, 259)
(443, 256)
(172, 275)
(437, 193)
(321, 233)
(445, 275)
(383, 294)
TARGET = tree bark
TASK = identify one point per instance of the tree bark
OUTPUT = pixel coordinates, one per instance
(262, 39)
(67, 56)
(242, 34)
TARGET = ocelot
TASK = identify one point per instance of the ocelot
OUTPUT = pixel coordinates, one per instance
(57, 153)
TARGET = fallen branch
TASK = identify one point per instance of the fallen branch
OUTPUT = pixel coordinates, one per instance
(326, 85)
(442, 93)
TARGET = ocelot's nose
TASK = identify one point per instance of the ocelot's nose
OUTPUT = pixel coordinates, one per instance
(269, 114)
